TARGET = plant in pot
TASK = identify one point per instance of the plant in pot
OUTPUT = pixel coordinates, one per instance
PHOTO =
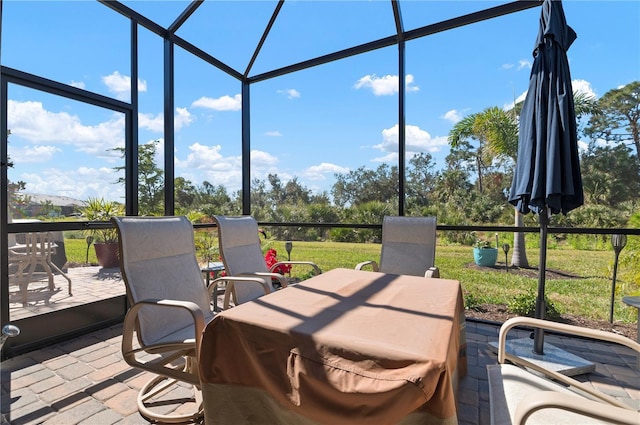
(105, 240)
(484, 254)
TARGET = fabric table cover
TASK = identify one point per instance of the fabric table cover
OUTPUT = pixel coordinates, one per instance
(345, 347)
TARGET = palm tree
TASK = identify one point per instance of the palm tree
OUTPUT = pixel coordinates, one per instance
(497, 131)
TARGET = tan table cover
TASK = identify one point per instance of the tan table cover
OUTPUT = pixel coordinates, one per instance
(345, 347)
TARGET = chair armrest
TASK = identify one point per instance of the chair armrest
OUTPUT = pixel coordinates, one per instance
(132, 315)
(230, 280)
(371, 263)
(129, 353)
(567, 329)
(559, 327)
(582, 406)
(306, 263)
(432, 272)
(281, 279)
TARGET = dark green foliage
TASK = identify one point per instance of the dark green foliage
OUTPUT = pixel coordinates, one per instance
(525, 305)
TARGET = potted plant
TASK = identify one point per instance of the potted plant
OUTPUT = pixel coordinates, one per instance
(484, 254)
(105, 240)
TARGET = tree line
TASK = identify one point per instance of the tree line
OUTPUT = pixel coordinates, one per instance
(470, 190)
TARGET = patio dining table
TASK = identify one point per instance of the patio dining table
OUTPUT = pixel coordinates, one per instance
(344, 347)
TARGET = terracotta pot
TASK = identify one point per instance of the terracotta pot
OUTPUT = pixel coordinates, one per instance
(107, 254)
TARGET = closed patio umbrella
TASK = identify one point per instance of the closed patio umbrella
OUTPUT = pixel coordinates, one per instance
(547, 177)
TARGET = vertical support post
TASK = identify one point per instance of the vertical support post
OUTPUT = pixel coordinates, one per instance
(131, 132)
(541, 308)
(169, 130)
(246, 149)
(401, 129)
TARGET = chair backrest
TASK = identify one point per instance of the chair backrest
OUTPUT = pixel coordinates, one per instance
(158, 261)
(408, 245)
(39, 244)
(240, 250)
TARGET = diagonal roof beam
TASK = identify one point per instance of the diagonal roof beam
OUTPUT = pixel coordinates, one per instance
(264, 36)
(132, 14)
(205, 56)
(397, 17)
(471, 18)
(166, 34)
(184, 16)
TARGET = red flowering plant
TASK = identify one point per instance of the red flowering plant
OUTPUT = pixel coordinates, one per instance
(271, 258)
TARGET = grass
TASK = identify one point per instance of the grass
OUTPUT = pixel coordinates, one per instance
(587, 295)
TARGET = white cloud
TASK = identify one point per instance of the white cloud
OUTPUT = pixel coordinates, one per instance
(606, 143)
(120, 85)
(583, 86)
(33, 154)
(582, 146)
(453, 116)
(579, 86)
(151, 122)
(319, 172)
(182, 118)
(262, 159)
(291, 93)
(386, 85)
(524, 63)
(416, 141)
(80, 183)
(274, 133)
(202, 157)
(208, 163)
(155, 123)
(78, 84)
(508, 106)
(30, 121)
(223, 103)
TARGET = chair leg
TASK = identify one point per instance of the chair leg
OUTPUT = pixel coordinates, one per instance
(63, 274)
(159, 385)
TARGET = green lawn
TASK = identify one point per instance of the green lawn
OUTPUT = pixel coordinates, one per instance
(587, 296)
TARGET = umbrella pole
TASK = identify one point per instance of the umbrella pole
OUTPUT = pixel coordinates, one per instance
(541, 308)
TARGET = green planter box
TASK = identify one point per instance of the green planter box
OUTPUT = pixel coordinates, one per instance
(485, 256)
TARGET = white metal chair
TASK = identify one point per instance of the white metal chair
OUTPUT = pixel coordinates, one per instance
(242, 257)
(529, 392)
(408, 247)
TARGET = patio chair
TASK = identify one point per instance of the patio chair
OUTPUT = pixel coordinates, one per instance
(242, 256)
(169, 308)
(408, 247)
(530, 392)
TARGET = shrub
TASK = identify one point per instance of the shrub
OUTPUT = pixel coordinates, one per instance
(525, 305)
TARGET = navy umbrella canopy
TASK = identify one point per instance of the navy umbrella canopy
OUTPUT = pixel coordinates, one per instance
(547, 177)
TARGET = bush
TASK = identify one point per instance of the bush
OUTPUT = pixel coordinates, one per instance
(525, 305)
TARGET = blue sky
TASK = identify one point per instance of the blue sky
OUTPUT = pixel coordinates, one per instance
(310, 124)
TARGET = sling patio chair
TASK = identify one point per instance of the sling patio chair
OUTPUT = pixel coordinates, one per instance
(242, 256)
(522, 391)
(408, 247)
(169, 308)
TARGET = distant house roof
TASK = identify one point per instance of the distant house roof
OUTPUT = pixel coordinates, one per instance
(58, 201)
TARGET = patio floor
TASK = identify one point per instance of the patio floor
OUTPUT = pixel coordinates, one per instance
(86, 381)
